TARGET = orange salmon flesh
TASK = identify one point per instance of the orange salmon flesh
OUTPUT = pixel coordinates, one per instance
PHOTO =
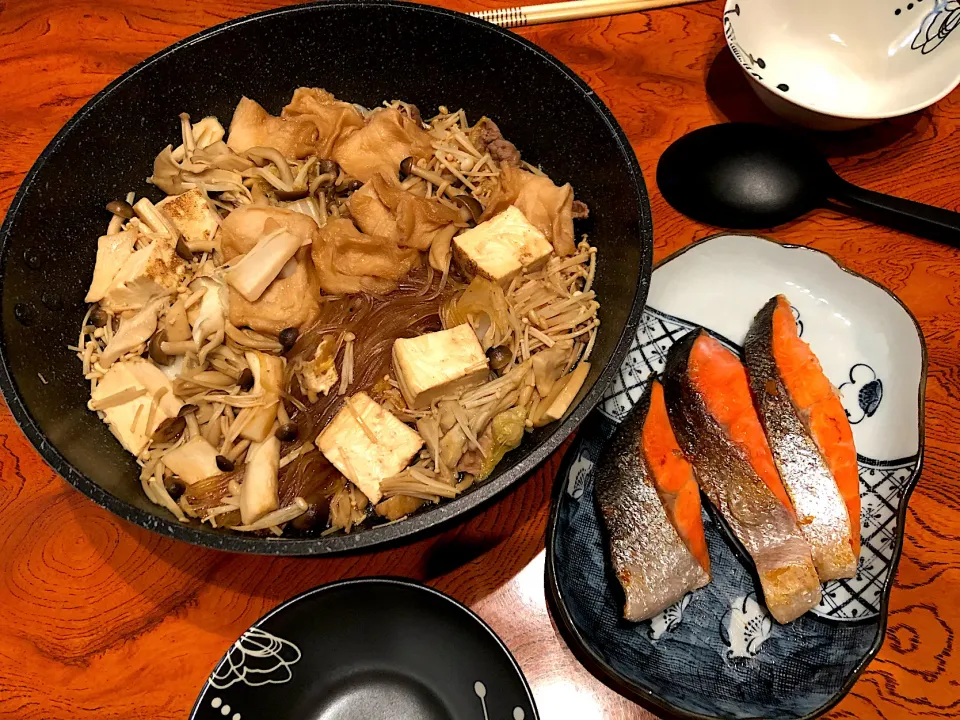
(673, 477)
(817, 401)
(720, 378)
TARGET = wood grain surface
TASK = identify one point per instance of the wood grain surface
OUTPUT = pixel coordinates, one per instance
(100, 619)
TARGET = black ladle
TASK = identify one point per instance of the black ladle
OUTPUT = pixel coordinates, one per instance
(747, 176)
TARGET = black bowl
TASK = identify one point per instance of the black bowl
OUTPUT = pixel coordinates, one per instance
(351, 649)
(362, 52)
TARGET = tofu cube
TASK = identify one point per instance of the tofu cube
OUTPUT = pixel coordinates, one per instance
(502, 247)
(430, 366)
(128, 420)
(193, 217)
(150, 272)
(112, 252)
(367, 444)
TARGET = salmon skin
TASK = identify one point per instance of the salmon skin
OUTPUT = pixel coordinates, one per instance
(650, 559)
(711, 411)
(781, 373)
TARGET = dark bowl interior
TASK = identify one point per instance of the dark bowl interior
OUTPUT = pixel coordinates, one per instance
(362, 52)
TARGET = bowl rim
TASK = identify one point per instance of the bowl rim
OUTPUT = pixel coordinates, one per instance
(384, 535)
(886, 115)
(629, 687)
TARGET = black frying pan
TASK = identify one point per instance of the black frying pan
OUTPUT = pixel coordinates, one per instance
(364, 52)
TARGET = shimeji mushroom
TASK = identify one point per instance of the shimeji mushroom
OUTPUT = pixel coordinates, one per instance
(259, 491)
(176, 327)
(286, 187)
(221, 171)
(260, 267)
(132, 333)
(202, 161)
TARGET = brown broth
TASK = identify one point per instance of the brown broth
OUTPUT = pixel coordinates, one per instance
(376, 321)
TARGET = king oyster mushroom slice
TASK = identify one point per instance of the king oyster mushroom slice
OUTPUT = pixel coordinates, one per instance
(259, 491)
(261, 266)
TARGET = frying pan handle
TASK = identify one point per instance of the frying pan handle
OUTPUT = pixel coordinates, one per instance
(916, 218)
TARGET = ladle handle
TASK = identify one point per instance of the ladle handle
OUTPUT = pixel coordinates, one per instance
(916, 218)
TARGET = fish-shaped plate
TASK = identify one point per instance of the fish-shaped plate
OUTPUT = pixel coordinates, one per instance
(717, 653)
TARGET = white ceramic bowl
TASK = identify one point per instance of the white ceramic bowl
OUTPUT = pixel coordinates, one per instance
(840, 64)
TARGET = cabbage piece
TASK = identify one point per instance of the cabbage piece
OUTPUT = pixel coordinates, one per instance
(112, 252)
(549, 364)
(193, 461)
(210, 315)
(507, 430)
(483, 305)
(268, 382)
(258, 491)
(452, 446)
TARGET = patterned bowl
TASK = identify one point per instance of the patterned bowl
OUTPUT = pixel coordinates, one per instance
(364, 649)
(838, 65)
(717, 653)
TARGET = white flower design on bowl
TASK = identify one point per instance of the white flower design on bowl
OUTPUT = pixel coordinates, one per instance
(257, 658)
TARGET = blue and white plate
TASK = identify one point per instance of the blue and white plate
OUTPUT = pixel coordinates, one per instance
(718, 653)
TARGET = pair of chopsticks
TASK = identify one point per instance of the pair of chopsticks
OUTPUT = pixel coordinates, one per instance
(573, 10)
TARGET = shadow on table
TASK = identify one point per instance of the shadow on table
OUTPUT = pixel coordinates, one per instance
(731, 96)
(470, 560)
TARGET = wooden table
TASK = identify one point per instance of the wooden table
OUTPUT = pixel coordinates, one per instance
(100, 619)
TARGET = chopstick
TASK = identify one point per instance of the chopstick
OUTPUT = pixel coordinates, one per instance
(572, 10)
